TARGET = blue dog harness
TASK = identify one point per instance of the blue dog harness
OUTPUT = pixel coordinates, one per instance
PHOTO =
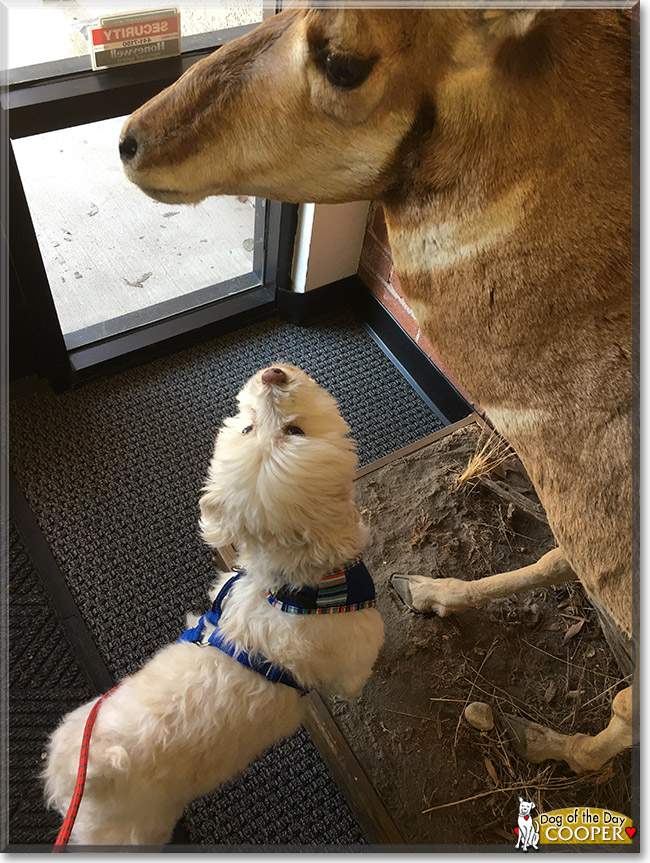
(274, 673)
(348, 588)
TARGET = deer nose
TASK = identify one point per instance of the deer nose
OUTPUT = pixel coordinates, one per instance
(128, 148)
(273, 376)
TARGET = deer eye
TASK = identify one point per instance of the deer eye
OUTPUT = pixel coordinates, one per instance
(247, 430)
(294, 430)
(345, 71)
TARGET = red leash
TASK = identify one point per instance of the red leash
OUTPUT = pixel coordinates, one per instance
(68, 821)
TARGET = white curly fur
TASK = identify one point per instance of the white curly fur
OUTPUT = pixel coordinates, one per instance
(193, 717)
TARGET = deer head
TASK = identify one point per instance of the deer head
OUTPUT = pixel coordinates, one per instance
(333, 105)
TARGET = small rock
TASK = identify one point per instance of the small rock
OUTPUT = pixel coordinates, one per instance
(479, 715)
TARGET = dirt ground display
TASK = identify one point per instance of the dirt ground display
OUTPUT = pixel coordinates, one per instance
(539, 654)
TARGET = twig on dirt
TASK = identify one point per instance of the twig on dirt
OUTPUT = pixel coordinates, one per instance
(517, 787)
(392, 734)
(503, 752)
(426, 800)
(577, 703)
(413, 715)
(477, 548)
(471, 689)
(494, 746)
(568, 669)
(525, 709)
(504, 528)
(560, 659)
(511, 532)
(596, 698)
(551, 784)
(476, 776)
(507, 493)
(455, 700)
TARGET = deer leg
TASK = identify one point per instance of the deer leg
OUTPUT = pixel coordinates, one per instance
(447, 595)
(580, 751)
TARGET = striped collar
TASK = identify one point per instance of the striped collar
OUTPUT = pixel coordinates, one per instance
(345, 588)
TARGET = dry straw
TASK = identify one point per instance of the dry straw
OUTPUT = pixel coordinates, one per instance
(487, 457)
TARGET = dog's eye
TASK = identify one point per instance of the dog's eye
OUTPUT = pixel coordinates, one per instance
(247, 429)
(345, 71)
(294, 430)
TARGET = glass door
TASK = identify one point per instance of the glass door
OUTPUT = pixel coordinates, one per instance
(114, 258)
(122, 271)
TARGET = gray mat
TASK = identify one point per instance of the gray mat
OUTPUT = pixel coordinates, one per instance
(45, 679)
(113, 472)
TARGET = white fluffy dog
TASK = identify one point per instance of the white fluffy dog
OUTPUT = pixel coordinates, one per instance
(280, 487)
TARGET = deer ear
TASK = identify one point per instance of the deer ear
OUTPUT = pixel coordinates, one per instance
(504, 23)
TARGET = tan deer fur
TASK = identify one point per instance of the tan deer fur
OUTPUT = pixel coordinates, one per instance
(499, 144)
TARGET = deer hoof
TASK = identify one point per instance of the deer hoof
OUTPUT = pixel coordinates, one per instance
(401, 584)
(535, 743)
(419, 593)
(528, 739)
(425, 595)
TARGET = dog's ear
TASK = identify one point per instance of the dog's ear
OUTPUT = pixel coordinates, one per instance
(215, 527)
(533, 806)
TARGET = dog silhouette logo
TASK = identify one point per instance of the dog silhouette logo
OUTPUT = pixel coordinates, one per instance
(527, 830)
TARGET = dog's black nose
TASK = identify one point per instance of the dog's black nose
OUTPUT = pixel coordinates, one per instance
(128, 148)
(274, 376)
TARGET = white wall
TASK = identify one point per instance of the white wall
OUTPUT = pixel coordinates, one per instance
(328, 243)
